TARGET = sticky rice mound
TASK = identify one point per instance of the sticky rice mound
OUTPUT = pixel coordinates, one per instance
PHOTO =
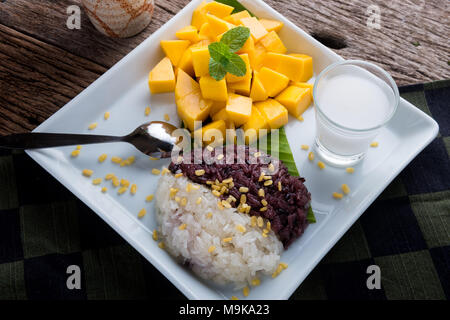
(199, 242)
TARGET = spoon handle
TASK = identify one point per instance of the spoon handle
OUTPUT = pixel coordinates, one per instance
(36, 140)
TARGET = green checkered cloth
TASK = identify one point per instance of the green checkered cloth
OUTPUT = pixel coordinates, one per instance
(44, 229)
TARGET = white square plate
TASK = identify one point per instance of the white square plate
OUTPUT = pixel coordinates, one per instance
(123, 91)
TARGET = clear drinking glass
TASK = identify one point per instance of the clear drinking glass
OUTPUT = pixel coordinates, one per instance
(353, 100)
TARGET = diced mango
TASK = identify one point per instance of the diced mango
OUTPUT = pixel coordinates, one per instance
(186, 62)
(239, 109)
(174, 49)
(256, 28)
(305, 85)
(242, 87)
(258, 92)
(199, 15)
(200, 60)
(249, 48)
(274, 82)
(232, 78)
(217, 26)
(162, 77)
(307, 66)
(271, 25)
(236, 17)
(273, 43)
(218, 9)
(275, 114)
(291, 66)
(188, 33)
(257, 59)
(295, 99)
(206, 32)
(253, 126)
(191, 105)
(221, 115)
(217, 106)
(213, 132)
(185, 85)
(213, 89)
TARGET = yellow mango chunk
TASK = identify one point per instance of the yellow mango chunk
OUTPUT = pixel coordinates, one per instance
(275, 114)
(218, 9)
(185, 85)
(199, 15)
(232, 78)
(205, 32)
(186, 62)
(274, 82)
(200, 60)
(253, 126)
(273, 43)
(308, 71)
(188, 33)
(257, 30)
(217, 106)
(291, 66)
(213, 132)
(258, 92)
(248, 47)
(174, 49)
(191, 105)
(236, 17)
(242, 87)
(217, 26)
(213, 89)
(304, 85)
(221, 115)
(162, 77)
(295, 99)
(239, 109)
(271, 25)
(257, 59)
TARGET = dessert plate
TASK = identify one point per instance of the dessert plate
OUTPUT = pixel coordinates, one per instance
(123, 92)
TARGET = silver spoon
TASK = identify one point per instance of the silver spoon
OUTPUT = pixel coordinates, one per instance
(150, 138)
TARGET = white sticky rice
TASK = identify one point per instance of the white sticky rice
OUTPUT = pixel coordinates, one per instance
(247, 256)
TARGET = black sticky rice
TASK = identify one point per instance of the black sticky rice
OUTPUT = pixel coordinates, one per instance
(286, 209)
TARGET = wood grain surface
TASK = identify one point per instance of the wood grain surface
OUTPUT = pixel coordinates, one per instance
(43, 64)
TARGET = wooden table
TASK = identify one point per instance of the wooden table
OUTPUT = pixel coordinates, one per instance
(43, 64)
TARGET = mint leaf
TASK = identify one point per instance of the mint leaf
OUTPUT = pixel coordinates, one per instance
(236, 66)
(236, 38)
(229, 61)
(216, 70)
(220, 52)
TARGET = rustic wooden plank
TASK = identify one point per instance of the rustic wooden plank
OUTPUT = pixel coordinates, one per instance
(36, 79)
(46, 21)
(402, 24)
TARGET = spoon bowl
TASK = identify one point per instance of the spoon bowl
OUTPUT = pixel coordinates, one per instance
(153, 138)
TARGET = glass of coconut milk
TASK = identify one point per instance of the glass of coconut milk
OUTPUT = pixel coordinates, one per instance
(353, 100)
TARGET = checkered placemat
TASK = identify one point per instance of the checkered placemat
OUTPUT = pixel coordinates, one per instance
(44, 229)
